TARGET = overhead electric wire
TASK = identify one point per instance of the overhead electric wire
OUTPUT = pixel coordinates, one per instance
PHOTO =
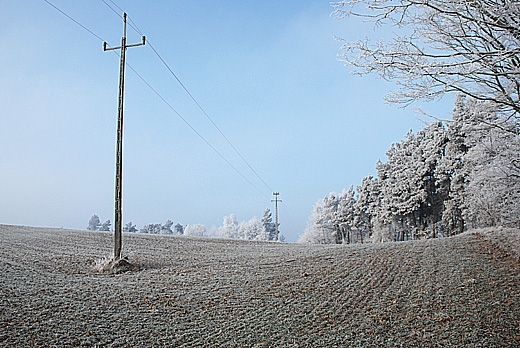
(209, 118)
(162, 98)
(72, 19)
(194, 130)
(134, 26)
(110, 7)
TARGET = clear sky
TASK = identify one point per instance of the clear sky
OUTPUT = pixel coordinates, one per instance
(266, 72)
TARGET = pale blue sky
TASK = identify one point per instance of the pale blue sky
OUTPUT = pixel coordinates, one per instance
(266, 72)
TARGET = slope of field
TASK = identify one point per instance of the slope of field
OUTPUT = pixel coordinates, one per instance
(462, 291)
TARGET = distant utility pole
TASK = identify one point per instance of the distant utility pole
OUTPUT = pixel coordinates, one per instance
(119, 147)
(276, 200)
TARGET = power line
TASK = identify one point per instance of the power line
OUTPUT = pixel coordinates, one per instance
(167, 103)
(113, 10)
(194, 130)
(134, 26)
(75, 21)
(209, 118)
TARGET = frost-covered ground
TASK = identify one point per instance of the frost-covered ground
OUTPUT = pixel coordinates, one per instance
(462, 291)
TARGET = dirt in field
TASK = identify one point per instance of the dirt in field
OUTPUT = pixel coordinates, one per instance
(193, 292)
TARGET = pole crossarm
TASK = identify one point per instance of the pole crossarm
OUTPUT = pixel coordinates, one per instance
(142, 43)
(119, 147)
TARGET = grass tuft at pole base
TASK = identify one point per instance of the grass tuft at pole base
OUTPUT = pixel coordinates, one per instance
(115, 266)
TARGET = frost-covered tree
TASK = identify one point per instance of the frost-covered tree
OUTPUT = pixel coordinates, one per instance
(493, 183)
(401, 188)
(151, 229)
(431, 147)
(317, 231)
(410, 204)
(158, 228)
(229, 228)
(129, 227)
(252, 230)
(321, 228)
(452, 171)
(167, 227)
(94, 223)
(196, 230)
(367, 206)
(269, 225)
(105, 226)
(344, 217)
(328, 220)
(439, 46)
(178, 229)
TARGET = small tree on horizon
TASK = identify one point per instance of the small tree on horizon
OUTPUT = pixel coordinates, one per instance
(178, 229)
(129, 227)
(94, 223)
(105, 226)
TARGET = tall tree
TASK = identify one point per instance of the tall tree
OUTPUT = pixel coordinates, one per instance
(439, 46)
(268, 224)
(452, 170)
(328, 218)
(318, 230)
(493, 183)
(367, 206)
(345, 216)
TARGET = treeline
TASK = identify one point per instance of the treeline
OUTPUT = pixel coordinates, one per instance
(437, 182)
(254, 229)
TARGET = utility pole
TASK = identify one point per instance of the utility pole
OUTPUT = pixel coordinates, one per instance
(119, 147)
(276, 200)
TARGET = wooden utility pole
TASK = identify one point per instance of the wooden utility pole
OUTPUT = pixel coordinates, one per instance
(119, 147)
(276, 200)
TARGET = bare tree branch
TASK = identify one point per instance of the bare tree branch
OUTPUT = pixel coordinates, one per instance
(470, 47)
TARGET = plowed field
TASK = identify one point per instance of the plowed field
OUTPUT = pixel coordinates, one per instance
(192, 292)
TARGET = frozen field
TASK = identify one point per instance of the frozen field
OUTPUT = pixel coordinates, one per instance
(462, 291)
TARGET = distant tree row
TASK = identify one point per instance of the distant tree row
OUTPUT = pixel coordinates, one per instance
(94, 224)
(439, 181)
(253, 229)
